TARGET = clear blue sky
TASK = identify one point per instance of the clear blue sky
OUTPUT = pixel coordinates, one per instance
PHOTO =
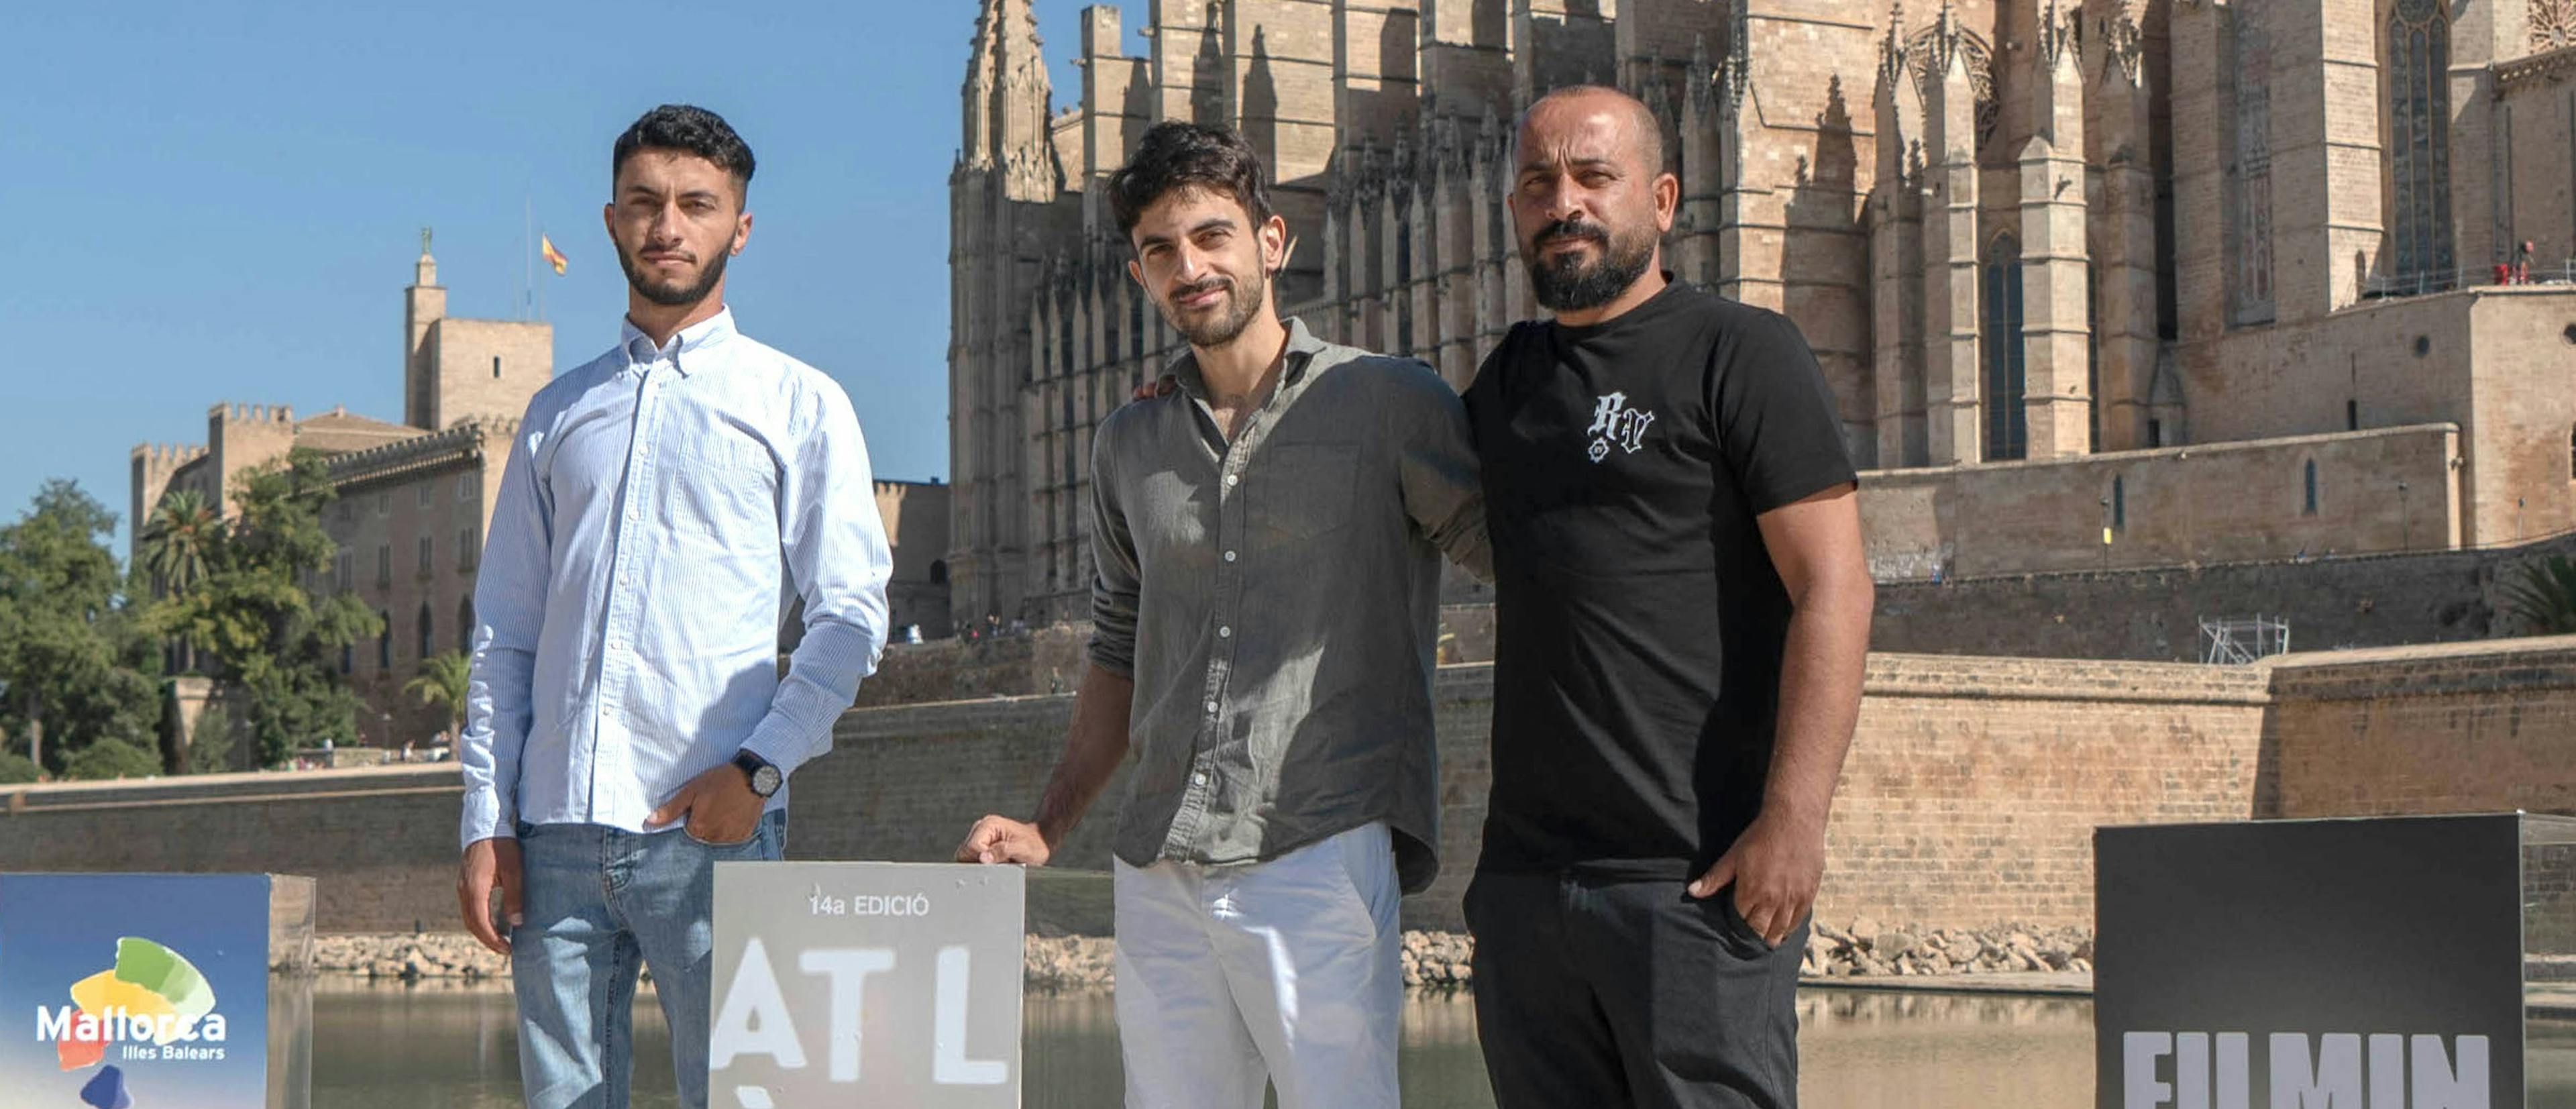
(220, 201)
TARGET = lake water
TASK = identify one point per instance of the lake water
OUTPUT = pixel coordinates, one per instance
(454, 1046)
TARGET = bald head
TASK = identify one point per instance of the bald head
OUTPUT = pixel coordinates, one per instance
(1591, 201)
(1601, 111)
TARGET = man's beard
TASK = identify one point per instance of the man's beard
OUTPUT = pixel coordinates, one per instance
(1568, 283)
(671, 294)
(1230, 318)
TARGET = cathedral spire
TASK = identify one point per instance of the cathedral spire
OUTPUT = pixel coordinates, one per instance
(1006, 124)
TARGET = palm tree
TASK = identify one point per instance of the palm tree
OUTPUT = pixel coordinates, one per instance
(175, 538)
(442, 682)
(2545, 597)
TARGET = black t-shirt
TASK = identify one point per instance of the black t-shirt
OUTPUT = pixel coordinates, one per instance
(1640, 623)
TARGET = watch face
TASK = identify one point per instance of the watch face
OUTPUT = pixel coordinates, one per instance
(764, 781)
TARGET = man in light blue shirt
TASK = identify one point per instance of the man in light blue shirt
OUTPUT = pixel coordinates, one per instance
(626, 724)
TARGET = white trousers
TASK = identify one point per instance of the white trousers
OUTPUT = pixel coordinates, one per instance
(1231, 977)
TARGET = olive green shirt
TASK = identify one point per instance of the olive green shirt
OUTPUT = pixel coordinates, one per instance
(1276, 601)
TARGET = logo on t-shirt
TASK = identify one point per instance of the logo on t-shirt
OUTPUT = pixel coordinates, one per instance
(1614, 423)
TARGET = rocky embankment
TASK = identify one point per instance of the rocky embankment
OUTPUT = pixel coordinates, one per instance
(1431, 960)
(408, 955)
(1869, 949)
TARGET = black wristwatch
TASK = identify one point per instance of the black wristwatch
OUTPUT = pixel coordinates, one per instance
(765, 778)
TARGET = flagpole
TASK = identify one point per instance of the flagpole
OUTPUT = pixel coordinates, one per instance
(527, 258)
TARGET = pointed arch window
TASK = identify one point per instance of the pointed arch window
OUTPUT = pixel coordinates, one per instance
(2311, 500)
(2007, 426)
(2419, 148)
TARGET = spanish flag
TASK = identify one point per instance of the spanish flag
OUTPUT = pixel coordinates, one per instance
(554, 257)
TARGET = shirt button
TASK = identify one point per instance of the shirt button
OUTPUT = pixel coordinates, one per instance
(1198, 779)
(1225, 633)
(1229, 556)
(1229, 481)
(1211, 707)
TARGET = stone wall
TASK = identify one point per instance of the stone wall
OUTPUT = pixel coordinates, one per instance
(1974, 784)
(1970, 798)
(2311, 494)
(381, 843)
(2462, 728)
(2371, 601)
(487, 368)
(2461, 357)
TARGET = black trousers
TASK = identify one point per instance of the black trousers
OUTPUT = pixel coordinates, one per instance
(1594, 993)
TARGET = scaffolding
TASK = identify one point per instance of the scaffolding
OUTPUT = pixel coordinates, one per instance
(2236, 642)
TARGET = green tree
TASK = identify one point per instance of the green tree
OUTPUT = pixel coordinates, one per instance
(210, 749)
(272, 637)
(110, 759)
(175, 539)
(441, 684)
(2544, 597)
(75, 666)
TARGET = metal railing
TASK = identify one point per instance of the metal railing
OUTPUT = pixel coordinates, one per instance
(2425, 282)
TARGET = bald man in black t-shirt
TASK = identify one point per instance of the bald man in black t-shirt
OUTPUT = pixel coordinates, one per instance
(1683, 609)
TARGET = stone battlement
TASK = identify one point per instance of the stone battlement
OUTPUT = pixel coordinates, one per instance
(168, 455)
(239, 412)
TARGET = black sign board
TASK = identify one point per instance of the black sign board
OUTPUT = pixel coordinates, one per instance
(2311, 964)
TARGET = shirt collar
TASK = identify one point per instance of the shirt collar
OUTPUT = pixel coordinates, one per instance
(1302, 348)
(705, 333)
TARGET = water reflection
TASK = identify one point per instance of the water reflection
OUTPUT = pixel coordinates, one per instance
(445, 1045)
(454, 1046)
(1938, 1051)
(1070, 1050)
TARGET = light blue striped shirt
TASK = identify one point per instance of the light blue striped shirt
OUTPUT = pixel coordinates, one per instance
(656, 504)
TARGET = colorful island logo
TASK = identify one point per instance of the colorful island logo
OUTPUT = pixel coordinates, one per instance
(153, 1004)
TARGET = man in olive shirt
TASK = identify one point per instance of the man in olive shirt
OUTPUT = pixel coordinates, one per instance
(1267, 536)
(1683, 610)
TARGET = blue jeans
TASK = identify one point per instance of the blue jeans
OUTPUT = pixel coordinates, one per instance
(599, 903)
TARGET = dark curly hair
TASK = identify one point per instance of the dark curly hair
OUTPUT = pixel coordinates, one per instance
(1177, 155)
(691, 129)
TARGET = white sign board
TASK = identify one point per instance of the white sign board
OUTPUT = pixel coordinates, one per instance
(899, 981)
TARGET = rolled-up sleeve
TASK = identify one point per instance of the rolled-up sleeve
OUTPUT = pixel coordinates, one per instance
(839, 561)
(1444, 489)
(1113, 552)
(510, 609)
